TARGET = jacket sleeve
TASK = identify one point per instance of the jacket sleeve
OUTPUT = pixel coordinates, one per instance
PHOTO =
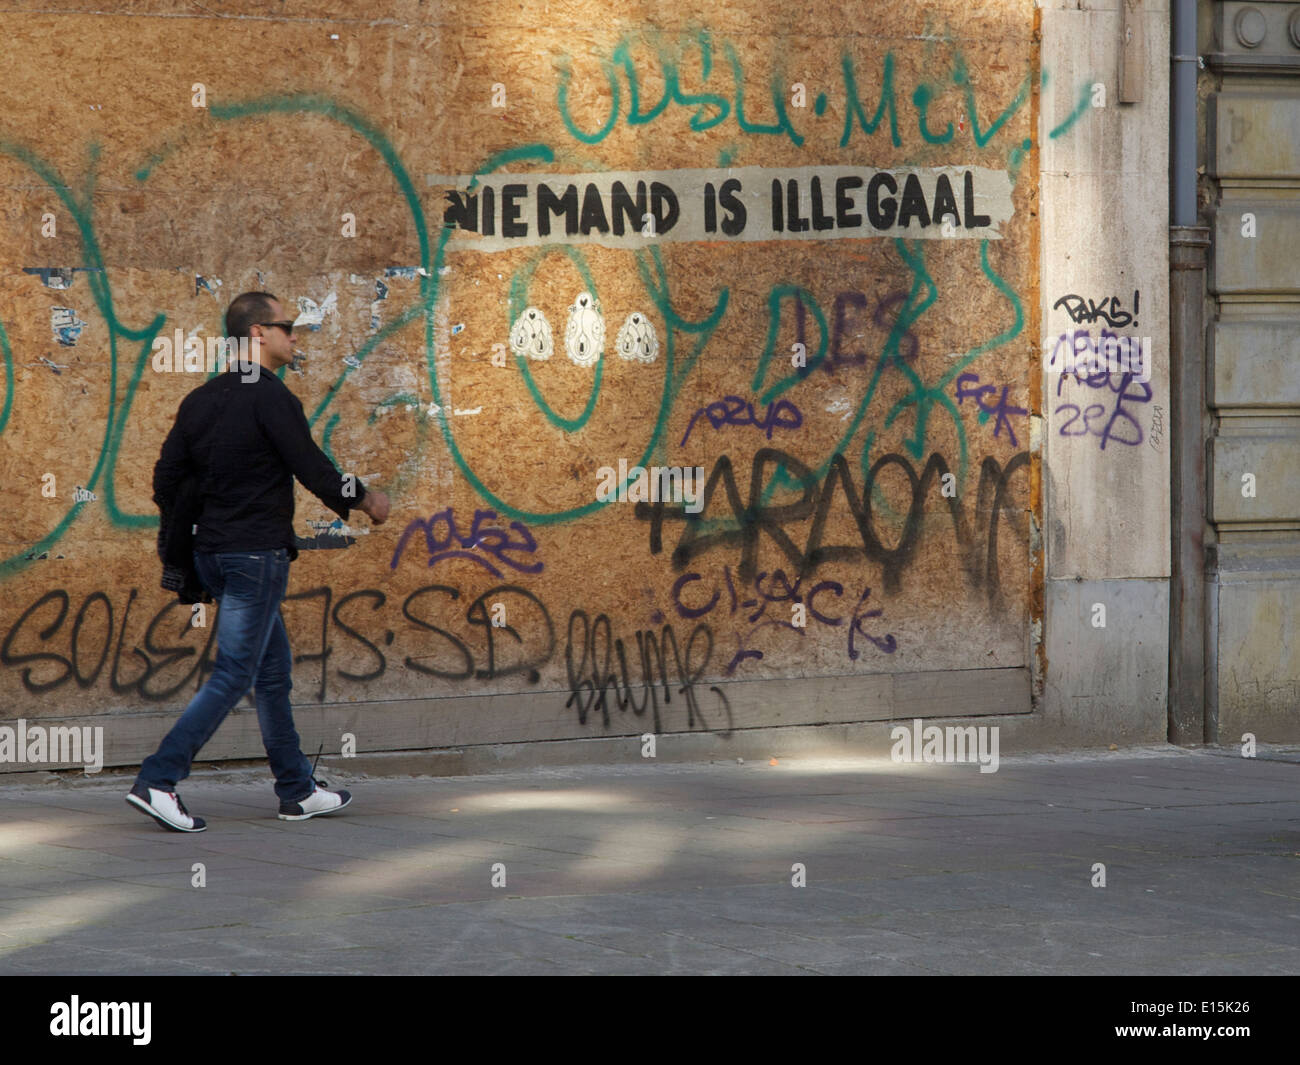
(173, 464)
(173, 491)
(281, 418)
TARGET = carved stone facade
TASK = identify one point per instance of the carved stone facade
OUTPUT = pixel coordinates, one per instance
(1250, 195)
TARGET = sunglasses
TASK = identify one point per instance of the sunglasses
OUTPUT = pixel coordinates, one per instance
(286, 326)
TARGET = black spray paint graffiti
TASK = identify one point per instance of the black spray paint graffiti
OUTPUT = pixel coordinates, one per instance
(589, 650)
(484, 651)
(1085, 312)
(750, 520)
(478, 614)
(91, 637)
(778, 590)
(159, 672)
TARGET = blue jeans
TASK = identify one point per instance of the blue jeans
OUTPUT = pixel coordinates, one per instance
(252, 651)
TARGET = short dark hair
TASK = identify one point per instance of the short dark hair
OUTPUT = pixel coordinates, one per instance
(245, 310)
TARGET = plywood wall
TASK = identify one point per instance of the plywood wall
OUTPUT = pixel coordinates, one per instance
(866, 513)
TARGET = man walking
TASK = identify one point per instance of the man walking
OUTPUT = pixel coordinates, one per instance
(238, 442)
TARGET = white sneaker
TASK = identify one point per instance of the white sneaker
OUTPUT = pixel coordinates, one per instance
(320, 801)
(166, 808)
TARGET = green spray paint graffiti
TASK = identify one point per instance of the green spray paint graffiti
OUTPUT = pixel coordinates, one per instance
(709, 110)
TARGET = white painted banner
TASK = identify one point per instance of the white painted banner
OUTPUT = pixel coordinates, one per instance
(630, 209)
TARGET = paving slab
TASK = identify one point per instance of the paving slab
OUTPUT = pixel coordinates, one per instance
(676, 868)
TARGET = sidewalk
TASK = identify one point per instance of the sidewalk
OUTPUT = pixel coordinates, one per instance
(662, 868)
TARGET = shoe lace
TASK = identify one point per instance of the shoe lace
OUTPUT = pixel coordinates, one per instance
(318, 783)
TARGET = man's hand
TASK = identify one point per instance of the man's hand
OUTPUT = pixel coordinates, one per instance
(375, 504)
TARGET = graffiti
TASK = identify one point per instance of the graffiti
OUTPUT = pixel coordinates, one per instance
(529, 207)
(91, 637)
(886, 643)
(1157, 426)
(1081, 108)
(883, 212)
(752, 520)
(777, 588)
(531, 335)
(705, 110)
(1085, 311)
(846, 325)
(70, 637)
(584, 337)
(732, 410)
(969, 387)
(478, 614)
(49, 652)
(1107, 419)
(713, 108)
(444, 540)
(427, 274)
(593, 684)
(822, 203)
(1077, 351)
(351, 639)
(710, 108)
(636, 341)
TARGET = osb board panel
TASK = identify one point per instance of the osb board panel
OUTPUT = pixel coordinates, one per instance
(158, 212)
(829, 17)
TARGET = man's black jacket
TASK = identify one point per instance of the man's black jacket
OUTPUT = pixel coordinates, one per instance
(224, 480)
